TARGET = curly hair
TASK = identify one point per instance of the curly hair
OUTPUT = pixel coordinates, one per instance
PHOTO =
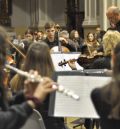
(110, 39)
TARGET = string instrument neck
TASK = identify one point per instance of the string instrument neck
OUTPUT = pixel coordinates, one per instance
(66, 61)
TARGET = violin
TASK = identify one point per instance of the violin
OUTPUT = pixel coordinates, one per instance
(82, 60)
(64, 62)
(86, 61)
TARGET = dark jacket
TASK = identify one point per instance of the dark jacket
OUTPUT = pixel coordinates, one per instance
(103, 109)
(15, 116)
(101, 63)
(118, 26)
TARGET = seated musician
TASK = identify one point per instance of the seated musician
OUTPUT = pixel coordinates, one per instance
(39, 53)
(40, 35)
(78, 41)
(106, 99)
(29, 36)
(91, 45)
(66, 41)
(51, 40)
(110, 39)
(15, 116)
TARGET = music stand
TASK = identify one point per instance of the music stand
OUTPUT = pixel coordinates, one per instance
(80, 83)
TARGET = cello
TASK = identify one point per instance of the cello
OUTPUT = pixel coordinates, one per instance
(56, 49)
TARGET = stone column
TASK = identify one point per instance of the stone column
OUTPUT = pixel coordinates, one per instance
(90, 21)
(103, 18)
(114, 2)
(50, 13)
(118, 3)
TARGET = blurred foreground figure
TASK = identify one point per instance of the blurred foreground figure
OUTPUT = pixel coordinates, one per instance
(13, 117)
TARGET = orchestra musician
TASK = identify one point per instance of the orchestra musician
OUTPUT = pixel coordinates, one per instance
(50, 35)
(91, 44)
(110, 39)
(113, 15)
(106, 99)
(15, 116)
(78, 41)
(39, 53)
(53, 40)
(66, 41)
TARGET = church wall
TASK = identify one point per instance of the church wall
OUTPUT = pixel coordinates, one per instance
(22, 18)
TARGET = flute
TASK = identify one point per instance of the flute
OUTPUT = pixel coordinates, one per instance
(60, 88)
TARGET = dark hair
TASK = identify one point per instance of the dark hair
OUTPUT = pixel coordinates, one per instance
(72, 34)
(38, 58)
(29, 32)
(40, 31)
(93, 36)
(49, 25)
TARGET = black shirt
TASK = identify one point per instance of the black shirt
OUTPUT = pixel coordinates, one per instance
(51, 44)
(101, 63)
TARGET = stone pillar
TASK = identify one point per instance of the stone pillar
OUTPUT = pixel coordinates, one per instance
(118, 3)
(114, 2)
(50, 13)
(90, 22)
(103, 18)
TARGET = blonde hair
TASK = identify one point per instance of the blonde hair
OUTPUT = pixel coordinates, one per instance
(110, 39)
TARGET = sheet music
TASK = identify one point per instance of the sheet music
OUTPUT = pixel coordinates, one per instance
(56, 58)
(82, 85)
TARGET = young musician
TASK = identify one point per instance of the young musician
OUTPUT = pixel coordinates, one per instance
(107, 99)
(51, 38)
(38, 58)
(14, 117)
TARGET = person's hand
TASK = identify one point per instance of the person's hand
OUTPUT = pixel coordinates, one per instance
(44, 88)
(30, 85)
(63, 40)
(72, 65)
(38, 89)
(94, 53)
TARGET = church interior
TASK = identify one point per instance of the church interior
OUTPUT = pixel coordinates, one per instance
(73, 42)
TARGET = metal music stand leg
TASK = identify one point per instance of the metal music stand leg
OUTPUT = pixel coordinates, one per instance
(79, 122)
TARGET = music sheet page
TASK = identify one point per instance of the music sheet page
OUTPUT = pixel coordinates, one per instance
(81, 85)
